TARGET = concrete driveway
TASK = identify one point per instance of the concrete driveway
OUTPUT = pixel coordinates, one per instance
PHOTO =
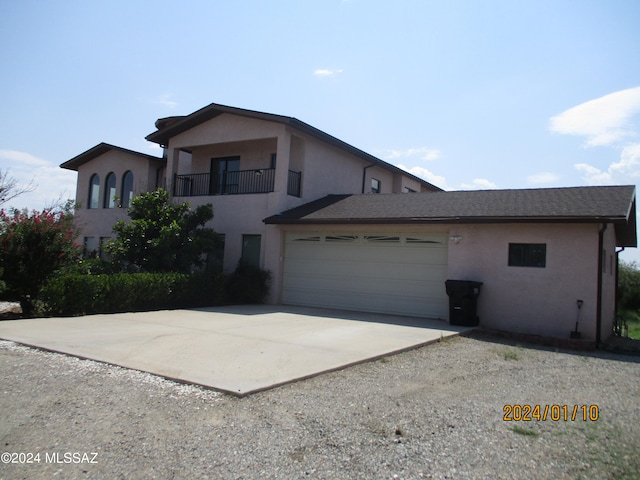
(238, 349)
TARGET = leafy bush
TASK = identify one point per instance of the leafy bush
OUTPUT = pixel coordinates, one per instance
(33, 245)
(248, 285)
(629, 286)
(78, 294)
(162, 236)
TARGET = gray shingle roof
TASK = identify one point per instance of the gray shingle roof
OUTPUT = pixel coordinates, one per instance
(613, 204)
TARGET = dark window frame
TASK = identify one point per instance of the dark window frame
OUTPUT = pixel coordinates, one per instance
(110, 186)
(527, 255)
(127, 189)
(376, 185)
(94, 191)
(251, 250)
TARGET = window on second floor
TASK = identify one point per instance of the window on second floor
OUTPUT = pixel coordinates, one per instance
(94, 191)
(375, 185)
(127, 189)
(110, 191)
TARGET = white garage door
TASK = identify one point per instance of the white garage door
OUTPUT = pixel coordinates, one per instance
(397, 274)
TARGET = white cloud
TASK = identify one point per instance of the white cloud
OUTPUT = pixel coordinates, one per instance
(478, 183)
(613, 121)
(618, 172)
(603, 121)
(22, 158)
(325, 72)
(593, 175)
(543, 178)
(428, 175)
(165, 100)
(422, 153)
(53, 184)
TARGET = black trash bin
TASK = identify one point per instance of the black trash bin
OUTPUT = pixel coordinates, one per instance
(463, 302)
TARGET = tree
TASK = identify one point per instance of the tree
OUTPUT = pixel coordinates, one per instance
(9, 188)
(629, 286)
(161, 236)
(33, 245)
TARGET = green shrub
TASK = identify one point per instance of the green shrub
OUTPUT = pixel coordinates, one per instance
(77, 294)
(629, 286)
(248, 285)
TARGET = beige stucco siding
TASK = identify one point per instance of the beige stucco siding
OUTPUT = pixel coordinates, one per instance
(226, 128)
(531, 300)
(98, 222)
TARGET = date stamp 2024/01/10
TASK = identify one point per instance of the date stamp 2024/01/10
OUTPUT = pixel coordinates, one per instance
(48, 457)
(555, 413)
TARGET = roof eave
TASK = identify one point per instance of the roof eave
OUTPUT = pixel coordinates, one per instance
(274, 220)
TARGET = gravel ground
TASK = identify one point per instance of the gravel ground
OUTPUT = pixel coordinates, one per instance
(434, 412)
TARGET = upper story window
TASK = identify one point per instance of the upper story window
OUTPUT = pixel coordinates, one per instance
(375, 185)
(94, 191)
(127, 189)
(528, 255)
(110, 191)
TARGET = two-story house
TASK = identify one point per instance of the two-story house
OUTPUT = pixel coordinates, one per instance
(340, 228)
(249, 165)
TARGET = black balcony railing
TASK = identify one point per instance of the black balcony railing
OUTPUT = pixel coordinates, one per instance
(232, 183)
(293, 183)
(224, 183)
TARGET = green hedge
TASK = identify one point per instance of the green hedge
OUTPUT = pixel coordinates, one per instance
(71, 295)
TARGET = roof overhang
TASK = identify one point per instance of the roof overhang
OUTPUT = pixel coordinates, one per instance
(171, 126)
(338, 209)
(101, 149)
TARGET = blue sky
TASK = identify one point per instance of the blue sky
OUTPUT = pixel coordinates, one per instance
(467, 94)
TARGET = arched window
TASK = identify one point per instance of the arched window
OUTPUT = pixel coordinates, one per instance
(94, 191)
(110, 191)
(127, 189)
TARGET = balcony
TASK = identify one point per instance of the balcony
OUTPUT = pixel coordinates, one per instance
(233, 183)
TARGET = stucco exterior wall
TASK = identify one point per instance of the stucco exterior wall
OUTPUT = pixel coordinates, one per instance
(531, 300)
(98, 222)
(226, 128)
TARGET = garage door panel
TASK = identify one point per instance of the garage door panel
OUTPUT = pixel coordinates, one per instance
(423, 307)
(354, 272)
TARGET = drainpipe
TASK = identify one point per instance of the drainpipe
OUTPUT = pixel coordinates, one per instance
(599, 297)
(364, 174)
(618, 252)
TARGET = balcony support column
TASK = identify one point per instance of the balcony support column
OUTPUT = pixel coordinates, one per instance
(277, 201)
(173, 161)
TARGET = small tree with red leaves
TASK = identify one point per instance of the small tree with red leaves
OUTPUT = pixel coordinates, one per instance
(33, 245)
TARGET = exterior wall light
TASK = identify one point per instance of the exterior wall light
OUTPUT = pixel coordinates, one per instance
(455, 238)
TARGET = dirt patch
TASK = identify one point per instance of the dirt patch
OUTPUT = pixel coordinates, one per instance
(434, 412)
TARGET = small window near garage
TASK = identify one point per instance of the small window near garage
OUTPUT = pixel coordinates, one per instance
(408, 190)
(375, 185)
(251, 250)
(422, 240)
(381, 239)
(215, 258)
(340, 238)
(528, 255)
(312, 238)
